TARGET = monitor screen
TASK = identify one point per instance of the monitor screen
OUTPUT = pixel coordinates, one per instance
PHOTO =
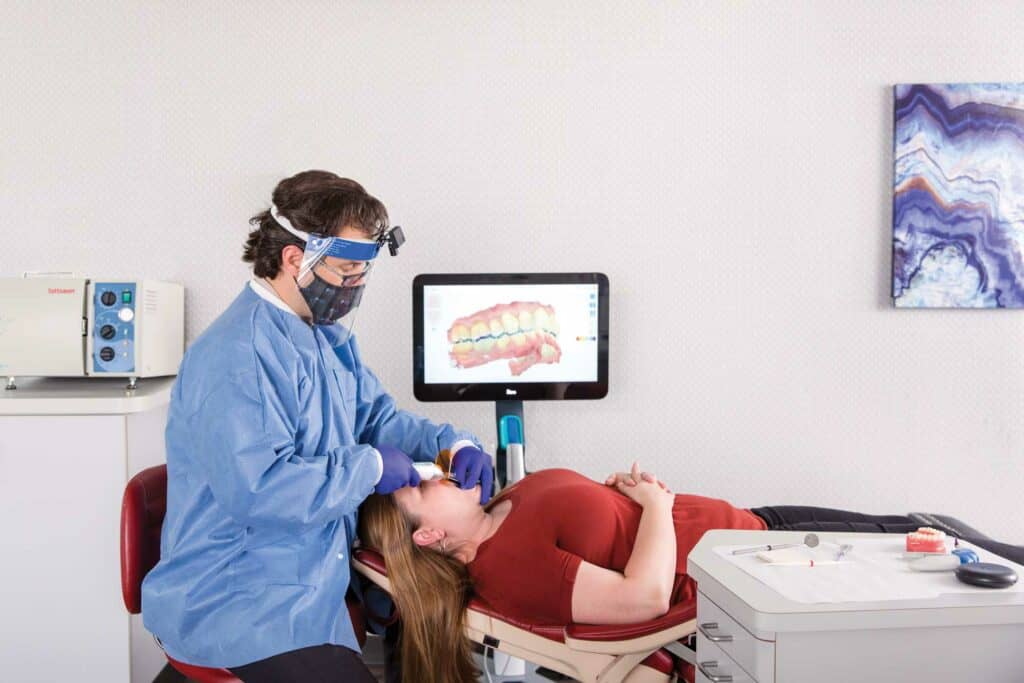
(510, 336)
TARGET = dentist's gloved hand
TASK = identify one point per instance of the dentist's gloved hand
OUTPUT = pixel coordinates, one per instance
(471, 466)
(398, 471)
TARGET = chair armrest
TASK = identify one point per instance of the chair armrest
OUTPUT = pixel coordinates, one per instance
(370, 564)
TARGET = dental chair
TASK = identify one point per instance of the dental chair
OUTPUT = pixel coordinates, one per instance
(655, 651)
(142, 516)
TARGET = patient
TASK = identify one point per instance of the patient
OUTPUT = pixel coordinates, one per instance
(553, 548)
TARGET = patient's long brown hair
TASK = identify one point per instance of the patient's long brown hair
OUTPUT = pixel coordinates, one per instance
(431, 590)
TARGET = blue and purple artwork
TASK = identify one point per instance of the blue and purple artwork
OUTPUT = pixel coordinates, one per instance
(958, 208)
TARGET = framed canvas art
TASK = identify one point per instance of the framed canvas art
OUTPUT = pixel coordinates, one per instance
(958, 203)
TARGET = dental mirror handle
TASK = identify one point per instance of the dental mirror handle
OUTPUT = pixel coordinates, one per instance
(810, 540)
(762, 548)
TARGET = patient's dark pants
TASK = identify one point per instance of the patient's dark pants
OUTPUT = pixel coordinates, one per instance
(798, 518)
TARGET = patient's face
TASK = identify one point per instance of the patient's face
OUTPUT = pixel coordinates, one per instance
(438, 504)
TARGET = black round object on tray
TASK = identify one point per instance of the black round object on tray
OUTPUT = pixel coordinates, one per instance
(986, 575)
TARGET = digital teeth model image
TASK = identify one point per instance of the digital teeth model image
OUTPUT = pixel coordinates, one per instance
(525, 332)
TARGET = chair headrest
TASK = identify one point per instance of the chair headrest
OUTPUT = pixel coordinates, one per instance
(372, 559)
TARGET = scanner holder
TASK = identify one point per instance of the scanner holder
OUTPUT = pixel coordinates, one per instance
(508, 417)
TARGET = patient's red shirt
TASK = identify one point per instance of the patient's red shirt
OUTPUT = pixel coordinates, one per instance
(559, 518)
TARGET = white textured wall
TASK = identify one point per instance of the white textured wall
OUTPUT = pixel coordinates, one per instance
(727, 164)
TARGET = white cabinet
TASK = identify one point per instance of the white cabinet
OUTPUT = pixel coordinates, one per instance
(715, 666)
(749, 633)
(721, 638)
(67, 449)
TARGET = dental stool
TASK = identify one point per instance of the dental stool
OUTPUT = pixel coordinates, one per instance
(142, 515)
(649, 652)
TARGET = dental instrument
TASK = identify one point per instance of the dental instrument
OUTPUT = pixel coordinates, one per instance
(428, 471)
(810, 540)
(432, 471)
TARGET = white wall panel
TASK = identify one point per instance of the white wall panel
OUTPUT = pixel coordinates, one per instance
(727, 164)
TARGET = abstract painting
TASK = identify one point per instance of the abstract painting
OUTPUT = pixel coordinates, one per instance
(958, 207)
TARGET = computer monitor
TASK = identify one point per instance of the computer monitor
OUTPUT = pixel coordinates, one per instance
(511, 336)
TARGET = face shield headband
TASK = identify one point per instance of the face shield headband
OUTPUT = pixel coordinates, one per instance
(333, 290)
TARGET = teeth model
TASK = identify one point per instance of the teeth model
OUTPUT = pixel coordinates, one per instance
(524, 332)
(926, 540)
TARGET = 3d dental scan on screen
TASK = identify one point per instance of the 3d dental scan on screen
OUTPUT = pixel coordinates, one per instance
(524, 336)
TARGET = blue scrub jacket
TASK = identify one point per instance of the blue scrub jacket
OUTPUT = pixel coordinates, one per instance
(270, 438)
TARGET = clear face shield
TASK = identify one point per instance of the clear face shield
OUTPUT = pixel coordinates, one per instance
(334, 272)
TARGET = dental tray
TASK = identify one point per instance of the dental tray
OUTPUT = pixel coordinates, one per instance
(874, 570)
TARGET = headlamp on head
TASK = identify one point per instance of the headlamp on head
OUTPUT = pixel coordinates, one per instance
(335, 298)
(394, 238)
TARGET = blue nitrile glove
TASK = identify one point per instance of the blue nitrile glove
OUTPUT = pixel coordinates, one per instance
(398, 471)
(471, 466)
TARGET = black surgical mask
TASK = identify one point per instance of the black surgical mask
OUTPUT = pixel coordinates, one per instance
(329, 303)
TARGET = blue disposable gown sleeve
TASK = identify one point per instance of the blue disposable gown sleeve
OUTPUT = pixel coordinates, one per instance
(382, 422)
(244, 442)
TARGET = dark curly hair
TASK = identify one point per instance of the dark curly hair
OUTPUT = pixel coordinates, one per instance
(314, 201)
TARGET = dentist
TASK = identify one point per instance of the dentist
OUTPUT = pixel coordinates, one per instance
(276, 433)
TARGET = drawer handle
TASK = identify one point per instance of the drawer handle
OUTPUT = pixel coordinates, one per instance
(714, 678)
(713, 626)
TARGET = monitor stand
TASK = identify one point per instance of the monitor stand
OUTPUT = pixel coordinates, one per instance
(508, 418)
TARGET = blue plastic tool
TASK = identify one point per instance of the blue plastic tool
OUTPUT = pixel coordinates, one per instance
(510, 430)
(966, 555)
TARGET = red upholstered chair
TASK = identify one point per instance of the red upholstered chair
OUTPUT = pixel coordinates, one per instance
(142, 515)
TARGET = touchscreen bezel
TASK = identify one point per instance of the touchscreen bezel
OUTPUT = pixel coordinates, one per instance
(510, 391)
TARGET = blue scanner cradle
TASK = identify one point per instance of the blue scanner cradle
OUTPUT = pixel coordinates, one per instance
(511, 441)
(510, 430)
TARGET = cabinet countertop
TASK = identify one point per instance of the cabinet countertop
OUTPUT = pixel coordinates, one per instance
(84, 396)
(765, 612)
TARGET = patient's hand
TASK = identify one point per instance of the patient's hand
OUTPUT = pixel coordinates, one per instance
(642, 487)
(628, 479)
